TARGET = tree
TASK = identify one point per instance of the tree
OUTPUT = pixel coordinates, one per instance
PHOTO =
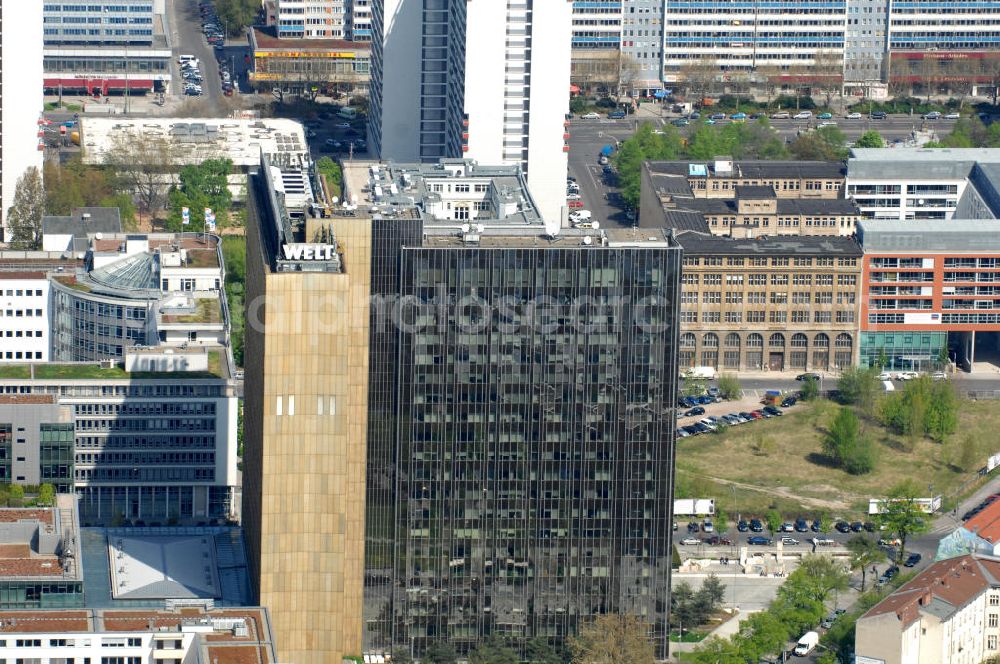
(236, 14)
(865, 552)
(643, 146)
(540, 651)
(24, 218)
(46, 494)
(613, 639)
(729, 386)
(773, 518)
(16, 495)
(901, 514)
(73, 185)
(870, 139)
(203, 186)
(142, 166)
(968, 456)
(761, 444)
(713, 589)
(493, 651)
(942, 413)
(859, 386)
(699, 76)
(126, 209)
(846, 444)
(629, 71)
(440, 652)
(714, 650)
(823, 144)
(823, 575)
(810, 389)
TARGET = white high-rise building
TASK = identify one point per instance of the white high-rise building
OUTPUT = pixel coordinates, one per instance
(485, 81)
(310, 19)
(21, 79)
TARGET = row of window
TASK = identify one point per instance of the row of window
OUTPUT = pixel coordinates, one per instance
(18, 292)
(22, 355)
(842, 317)
(761, 297)
(762, 279)
(776, 340)
(21, 313)
(779, 261)
(23, 333)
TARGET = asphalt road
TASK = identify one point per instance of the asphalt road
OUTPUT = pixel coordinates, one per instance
(187, 38)
(894, 127)
(587, 137)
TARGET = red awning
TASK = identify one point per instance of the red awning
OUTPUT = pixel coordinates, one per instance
(100, 83)
(574, 89)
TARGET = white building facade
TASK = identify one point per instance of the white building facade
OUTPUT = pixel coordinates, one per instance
(21, 80)
(492, 80)
(24, 317)
(311, 19)
(360, 29)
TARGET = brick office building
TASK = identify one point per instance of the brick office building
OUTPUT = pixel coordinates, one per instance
(788, 303)
(929, 289)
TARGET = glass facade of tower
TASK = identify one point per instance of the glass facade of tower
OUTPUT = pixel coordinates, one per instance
(529, 433)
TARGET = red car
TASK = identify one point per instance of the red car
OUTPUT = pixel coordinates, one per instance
(575, 204)
(756, 414)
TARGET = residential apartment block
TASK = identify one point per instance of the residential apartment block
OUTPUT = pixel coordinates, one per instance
(930, 289)
(769, 303)
(474, 68)
(915, 183)
(353, 446)
(311, 19)
(949, 613)
(189, 634)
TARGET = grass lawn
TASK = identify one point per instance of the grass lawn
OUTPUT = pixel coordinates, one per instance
(796, 478)
(688, 637)
(77, 371)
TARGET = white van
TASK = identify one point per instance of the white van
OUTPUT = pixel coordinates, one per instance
(181, 59)
(348, 113)
(806, 644)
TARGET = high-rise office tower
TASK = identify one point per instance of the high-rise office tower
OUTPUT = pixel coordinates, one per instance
(485, 81)
(482, 408)
(20, 96)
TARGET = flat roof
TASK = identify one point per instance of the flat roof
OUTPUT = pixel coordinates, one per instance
(934, 235)
(220, 642)
(755, 169)
(567, 238)
(785, 245)
(789, 206)
(198, 139)
(917, 163)
(82, 221)
(33, 542)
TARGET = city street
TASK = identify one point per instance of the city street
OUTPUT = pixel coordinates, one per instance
(587, 137)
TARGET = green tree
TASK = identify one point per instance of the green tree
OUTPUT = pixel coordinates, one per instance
(46, 494)
(578, 105)
(810, 389)
(729, 386)
(126, 208)
(859, 386)
(440, 652)
(643, 146)
(901, 514)
(540, 651)
(234, 249)
(73, 185)
(870, 139)
(24, 218)
(333, 173)
(203, 186)
(969, 458)
(823, 144)
(613, 639)
(773, 518)
(236, 15)
(865, 552)
(713, 589)
(714, 650)
(942, 412)
(823, 575)
(845, 443)
(493, 651)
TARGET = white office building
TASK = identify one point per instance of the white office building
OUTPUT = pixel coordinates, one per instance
(311, 19)
(20, 107)
(925, 183)
(478, 94)
(24, 317)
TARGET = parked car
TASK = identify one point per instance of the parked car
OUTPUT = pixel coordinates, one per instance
(697, 410)
(842, 527)
(682, 433)
(817, 525)
(933, 115)
(807, 376)
(939, 375)
(823, 541)
(803, 115)
(738, 116)
(912, 560)
(680, 122)
(718, 116)
(801, 526)
(718, 540)
(857, 526)
(879, 115)
(869, 527)
(756, 414)
(787, 527)
(788, 402)
(616, 115)
(825, 116)
(952, 116)
(742, 526)
(747, 416)
(693, 527)
(590, 116)
(756, 525)
(771, 410)
(757, 540)
(757, 116)
(780, 115)
(707, 526)
(690, 541)
(854, 115)
(789, 541)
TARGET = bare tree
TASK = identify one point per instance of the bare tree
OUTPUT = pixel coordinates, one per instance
(700, 75)
(143, 166)
(767, 77)
(24, 218)
(628, 73)
(931, 75)
(828, 70)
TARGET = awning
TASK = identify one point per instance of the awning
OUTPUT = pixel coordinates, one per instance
(660, 94)
(97, 83)
(574, 89)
